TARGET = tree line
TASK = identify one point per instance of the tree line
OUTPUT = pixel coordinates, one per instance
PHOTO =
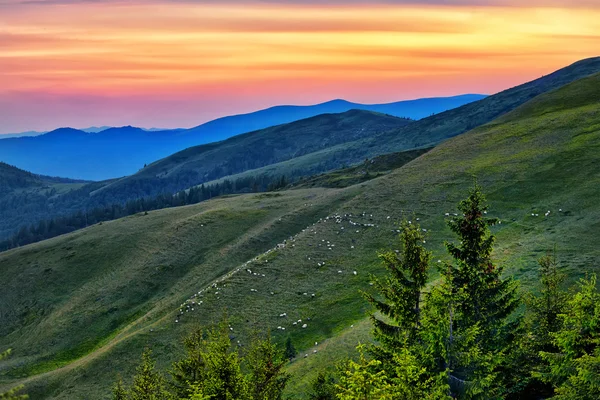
(61, 225)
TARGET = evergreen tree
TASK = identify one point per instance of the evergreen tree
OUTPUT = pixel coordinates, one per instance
(190, 371)
(290, 350)
(267, 379)
(401, 290)
(484, 301)
(490, 299)
(119, 391)
(323, 387)
(148, 384)
(550, 304)
(542, 320)
(575, 368)
(364, 380)
(211, 365)
(450, 355)
(197, 394)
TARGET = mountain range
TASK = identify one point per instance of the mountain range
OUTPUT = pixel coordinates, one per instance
(105, 153)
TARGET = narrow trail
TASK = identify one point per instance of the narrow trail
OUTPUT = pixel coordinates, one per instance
(147, 321)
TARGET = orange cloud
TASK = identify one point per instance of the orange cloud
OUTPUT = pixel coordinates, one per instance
(269, 53)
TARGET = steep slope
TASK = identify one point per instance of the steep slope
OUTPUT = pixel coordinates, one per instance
(82, 307)
(106, 153)
(13, 178)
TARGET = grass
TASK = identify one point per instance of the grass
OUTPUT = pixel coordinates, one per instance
(120, 285)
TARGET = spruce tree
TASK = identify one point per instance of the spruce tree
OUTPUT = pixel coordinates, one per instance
(527, 368)
(364, 380)
(575, 367)
(119, 391)
(489, 298)
(211, 366)
(551, 302)
(190, 370)
(484, 303)
(401, 292)
(148, 384)
(267, 379)
(323, 387)
(290, 350)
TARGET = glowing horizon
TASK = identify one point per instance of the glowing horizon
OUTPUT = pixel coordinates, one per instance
(179, 64)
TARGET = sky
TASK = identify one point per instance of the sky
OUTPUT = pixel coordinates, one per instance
(179, 63)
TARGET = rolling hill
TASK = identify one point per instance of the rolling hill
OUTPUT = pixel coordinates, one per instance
(235, 154)
(106, 153)
(81, 307)
(250, 151)
(24, 196)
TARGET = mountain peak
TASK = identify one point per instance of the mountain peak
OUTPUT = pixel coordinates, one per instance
(66, 131)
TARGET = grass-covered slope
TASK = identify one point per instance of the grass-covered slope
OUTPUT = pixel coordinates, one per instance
(82, 307)
(22, 193)
(251, 150)
(303, 173)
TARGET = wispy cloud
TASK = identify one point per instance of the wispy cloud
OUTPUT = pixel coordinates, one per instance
(482, 3)
(211, 58)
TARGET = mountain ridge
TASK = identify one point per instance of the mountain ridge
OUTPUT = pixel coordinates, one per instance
(96, 158)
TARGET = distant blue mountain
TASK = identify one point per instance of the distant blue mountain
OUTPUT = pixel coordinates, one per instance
(223, 128)
(105, 152)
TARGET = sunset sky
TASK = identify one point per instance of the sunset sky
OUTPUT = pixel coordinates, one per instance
(159, 63)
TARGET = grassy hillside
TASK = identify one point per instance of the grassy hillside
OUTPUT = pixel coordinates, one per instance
(249, 151)
(24, 196)
(82, 307)
(340, 178)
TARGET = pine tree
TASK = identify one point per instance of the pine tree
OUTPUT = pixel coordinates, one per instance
(550, 304)
(148, 384)
(211, 365)
(119, 391)
(197, 394)
(189, 371)
(266, 379)
(364, 380)
(489, 298)
(290, 350)
(528, 370)
(575, 368)
(450, 352)
(401, 290)
(323, 387)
